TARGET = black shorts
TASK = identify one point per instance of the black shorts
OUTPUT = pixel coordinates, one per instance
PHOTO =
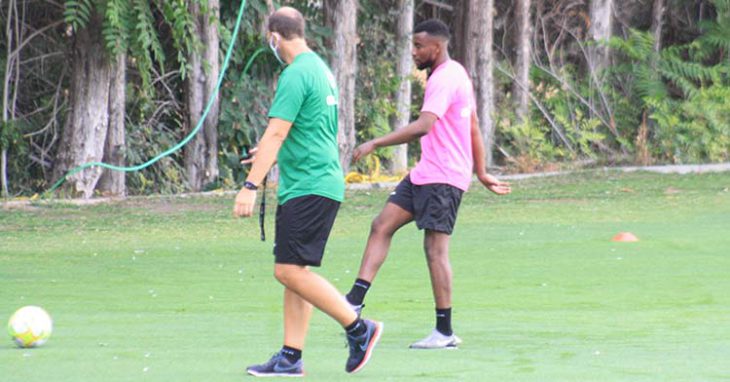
(433, 206)
(303, 226)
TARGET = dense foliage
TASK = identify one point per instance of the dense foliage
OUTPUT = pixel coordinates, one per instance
(670, 105)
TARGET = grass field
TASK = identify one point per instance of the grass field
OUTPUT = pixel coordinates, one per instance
(174, 289)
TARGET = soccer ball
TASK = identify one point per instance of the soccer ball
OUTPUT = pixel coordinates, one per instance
(30, 326)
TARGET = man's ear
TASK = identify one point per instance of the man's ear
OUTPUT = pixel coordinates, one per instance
(443, 46)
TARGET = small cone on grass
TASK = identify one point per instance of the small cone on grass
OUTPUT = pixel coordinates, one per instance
(625, 237)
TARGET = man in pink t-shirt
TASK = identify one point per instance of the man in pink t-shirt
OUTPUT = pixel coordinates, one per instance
(451, 149)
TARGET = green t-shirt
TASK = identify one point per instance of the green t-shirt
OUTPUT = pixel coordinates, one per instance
(309, 161)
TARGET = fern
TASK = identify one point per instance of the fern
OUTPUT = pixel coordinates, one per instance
(648, 84)
(144, 46)
(695, 126)
(117, 26)
(129, 26)
(77, 13)
(144, 28)
(639, 48)
(184, 31)
(681, 65)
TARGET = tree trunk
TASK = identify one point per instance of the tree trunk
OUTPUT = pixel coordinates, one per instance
(483, 38)
(459, 43)
(466, 32)
(86, 126)
(648, 125)
(4, 171)
(601, 15)
(194, 150)
(212, 57)
(270, 9)
(201, 154)
(6, 96)
(657, 23)
(113, 182)
(341, 17)
(521, 85)
(403, 71)
(12, 41)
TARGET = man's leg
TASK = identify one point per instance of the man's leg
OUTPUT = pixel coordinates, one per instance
(297, 312)
(390, 219)
(304, 289)
(314, 289)
(288, 361)
(311, 288)
(302, 228)
(436, 246)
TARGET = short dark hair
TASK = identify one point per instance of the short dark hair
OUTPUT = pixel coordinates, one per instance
(287, 26)
(433, 27)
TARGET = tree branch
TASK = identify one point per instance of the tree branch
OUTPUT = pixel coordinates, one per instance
(542, 108)
(439, 4)
(34, 34)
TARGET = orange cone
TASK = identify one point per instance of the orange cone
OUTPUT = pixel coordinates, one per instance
(625, 237)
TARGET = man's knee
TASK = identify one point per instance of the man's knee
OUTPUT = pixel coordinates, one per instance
(437, 255)
(436, 247)
(380, 226)
(280, 274)
(285, 273)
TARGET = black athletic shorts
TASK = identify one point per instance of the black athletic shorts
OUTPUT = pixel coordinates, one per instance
(303, 225)
(433, 206)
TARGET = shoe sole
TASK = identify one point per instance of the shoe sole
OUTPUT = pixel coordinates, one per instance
(371, 346)
(450, 346)
(264, 375)
(446, 347)
(457, 341)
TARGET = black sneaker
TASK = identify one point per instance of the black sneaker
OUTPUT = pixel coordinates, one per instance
(278, 366)
(361, 347)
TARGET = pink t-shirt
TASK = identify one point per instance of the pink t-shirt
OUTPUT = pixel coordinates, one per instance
(446, 155)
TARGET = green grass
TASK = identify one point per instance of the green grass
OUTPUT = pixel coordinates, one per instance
(174, 289)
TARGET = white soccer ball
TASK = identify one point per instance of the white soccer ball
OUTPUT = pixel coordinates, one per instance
(30, 326)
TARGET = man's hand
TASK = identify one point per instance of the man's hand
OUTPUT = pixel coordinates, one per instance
(495, 185)
(245, 201)
(251, 156)
(363, 150)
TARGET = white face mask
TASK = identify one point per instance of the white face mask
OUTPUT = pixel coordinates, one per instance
(275, 48)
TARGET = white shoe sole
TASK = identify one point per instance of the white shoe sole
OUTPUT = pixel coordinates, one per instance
(266, 375)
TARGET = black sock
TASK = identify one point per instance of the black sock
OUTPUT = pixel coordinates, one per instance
(356, 329)
(291, 354)
(357, 293)
(443, 321)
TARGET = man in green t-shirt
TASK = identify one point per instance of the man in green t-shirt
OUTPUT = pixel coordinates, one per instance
(302, 137)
